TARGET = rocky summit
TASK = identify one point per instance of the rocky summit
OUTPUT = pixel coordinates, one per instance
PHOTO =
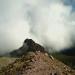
(35, 61)
(28, 45)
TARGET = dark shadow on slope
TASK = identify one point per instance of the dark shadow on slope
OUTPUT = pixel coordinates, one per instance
(69, 51)
(66, 59)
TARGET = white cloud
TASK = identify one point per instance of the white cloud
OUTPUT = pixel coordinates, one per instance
(46, 21)
(49, 22)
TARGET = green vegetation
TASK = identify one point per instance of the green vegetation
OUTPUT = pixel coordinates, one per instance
(4, 61)
(68, 60)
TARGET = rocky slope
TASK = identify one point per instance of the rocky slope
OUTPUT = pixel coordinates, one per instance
(36, 62)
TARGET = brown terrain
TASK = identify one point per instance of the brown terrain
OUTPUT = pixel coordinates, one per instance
(36, 62)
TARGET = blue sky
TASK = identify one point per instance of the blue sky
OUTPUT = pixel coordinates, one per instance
(70, 2)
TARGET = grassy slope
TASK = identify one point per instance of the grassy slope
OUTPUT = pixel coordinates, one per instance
(4, 61)
(69, 60)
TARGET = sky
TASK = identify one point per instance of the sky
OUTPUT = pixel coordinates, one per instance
(51, 23)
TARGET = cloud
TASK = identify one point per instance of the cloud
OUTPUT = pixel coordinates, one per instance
(13, 27)
(46, 21)
(49, 24)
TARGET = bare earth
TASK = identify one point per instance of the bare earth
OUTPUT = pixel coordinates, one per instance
(37, 63)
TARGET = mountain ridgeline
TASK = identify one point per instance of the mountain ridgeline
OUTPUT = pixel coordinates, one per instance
(69, 51)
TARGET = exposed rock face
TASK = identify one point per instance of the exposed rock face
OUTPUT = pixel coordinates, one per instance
(32, 46)
(28, 45)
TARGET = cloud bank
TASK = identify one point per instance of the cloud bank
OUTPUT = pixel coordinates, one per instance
(49, 22)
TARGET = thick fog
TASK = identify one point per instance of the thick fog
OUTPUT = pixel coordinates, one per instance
(48, 22)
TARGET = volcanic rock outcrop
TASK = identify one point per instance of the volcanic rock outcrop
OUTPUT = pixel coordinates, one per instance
(28, 45)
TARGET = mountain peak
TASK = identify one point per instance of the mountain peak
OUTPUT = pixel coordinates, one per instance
(28, 45)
